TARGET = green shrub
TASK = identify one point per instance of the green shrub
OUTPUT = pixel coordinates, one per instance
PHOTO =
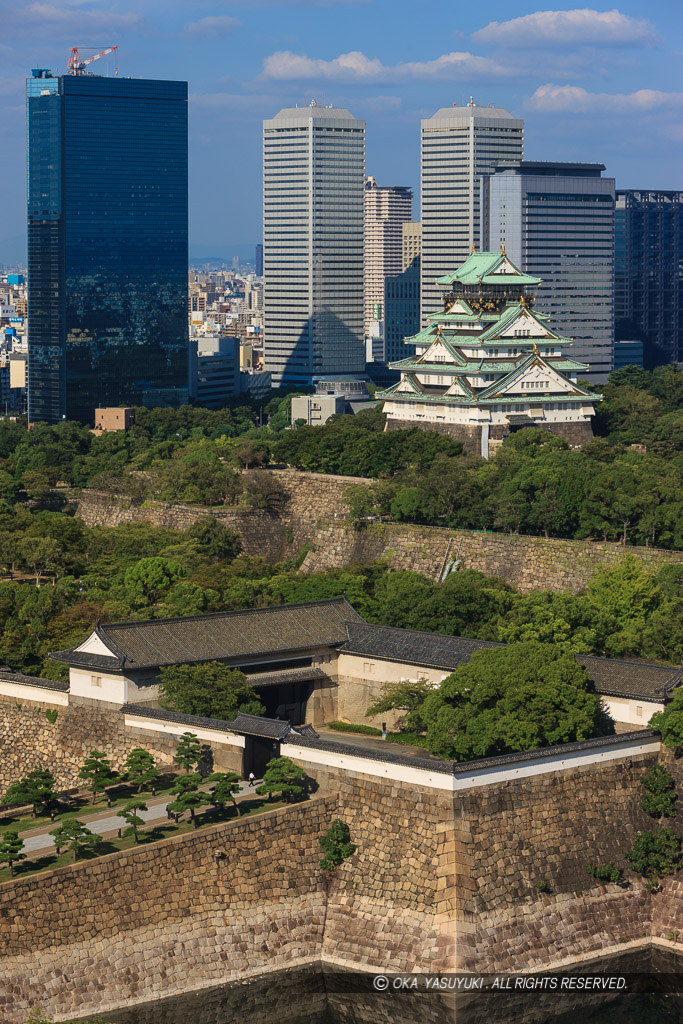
(365, 730)
(654, 854)
(660, 798)
(604, 872)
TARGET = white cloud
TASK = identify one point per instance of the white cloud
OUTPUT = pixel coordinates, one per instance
(356, 67)
(571, 99)
(583, 27)
(207, 28)
(49, 16)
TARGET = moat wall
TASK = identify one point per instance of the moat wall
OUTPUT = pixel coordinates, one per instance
(314, 513)
(442, 880)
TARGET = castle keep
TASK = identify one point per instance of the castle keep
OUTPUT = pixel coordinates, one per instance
(487, 364)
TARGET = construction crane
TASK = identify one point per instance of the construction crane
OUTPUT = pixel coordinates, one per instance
(77, 66)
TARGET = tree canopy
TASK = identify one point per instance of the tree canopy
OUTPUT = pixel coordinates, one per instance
(210, 689)
(504, 700)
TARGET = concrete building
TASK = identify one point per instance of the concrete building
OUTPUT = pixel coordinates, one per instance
(648, 279)
(112, 419)
(313, 185)
(459, 144)
(488, 364)
(317, 409)
(387, 208)
(556, 221)
(411, 243)
(401, 311)
(214, 370)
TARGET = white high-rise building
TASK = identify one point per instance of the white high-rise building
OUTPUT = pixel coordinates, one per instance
(387, 207)
(313, 186)
(459, 144)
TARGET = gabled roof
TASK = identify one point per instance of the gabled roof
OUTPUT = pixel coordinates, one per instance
(224, 635)
(496, 389)
(507, 319)
(488, 268)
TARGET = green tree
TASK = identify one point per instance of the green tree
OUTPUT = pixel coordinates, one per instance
(148, 580)
(37, 789)
(669, 722)
(655, 854)
(132, 818)
(284, 777)
(98, 771)
(188, 752)
(210, 689)
(408, 696)
(660, 797)
(75, 836)
(215, 541)
(141, 769)
(515, 698)
(10, 849)
(188, 796)
(226, 786)
(336, 845)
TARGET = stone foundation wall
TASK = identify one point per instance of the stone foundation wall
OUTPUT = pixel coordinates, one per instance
(544, 830)
(28, 740)
(314, 513)
(308, 498)
(141, 925)
(527, 563)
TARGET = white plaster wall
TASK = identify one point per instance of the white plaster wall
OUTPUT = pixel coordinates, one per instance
(478, 777)
(177, 729)
(33, 693)
(630, 711)
(113, 688)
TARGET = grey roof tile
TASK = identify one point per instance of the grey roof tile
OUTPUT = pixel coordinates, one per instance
(412, 646)
(153, 642)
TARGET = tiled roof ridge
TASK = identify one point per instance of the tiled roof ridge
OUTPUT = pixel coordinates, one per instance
(221, 615)
(466, 767)
(421, 632)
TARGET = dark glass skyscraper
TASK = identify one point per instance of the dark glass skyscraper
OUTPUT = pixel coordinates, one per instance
(107, 244)
(649, 272)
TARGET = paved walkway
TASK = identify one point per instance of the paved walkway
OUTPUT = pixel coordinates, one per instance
(357, 739)
(38, 841)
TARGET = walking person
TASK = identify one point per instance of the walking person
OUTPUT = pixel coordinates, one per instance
(252, 779)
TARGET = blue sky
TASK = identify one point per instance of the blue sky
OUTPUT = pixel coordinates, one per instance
(591, 83)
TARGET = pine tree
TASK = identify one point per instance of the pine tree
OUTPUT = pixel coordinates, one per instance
(98, 770)
(188, 752)
(141, 769)
(10, 849)
(132, 819)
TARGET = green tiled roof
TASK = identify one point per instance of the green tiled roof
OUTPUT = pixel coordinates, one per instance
(483, 365)
(480, 267)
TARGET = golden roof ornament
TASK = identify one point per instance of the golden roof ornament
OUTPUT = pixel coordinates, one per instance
(502, 248)
(535, 349)
(474, 248)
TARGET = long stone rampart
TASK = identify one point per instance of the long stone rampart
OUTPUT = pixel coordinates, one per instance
(314, 512)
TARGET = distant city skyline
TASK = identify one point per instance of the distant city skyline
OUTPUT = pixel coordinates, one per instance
(587, 83)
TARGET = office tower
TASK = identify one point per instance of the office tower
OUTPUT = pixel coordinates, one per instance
(107, 243)
(556, 220)
(401, 311)
(313, 185)
(648, 279)
(459, 144)
(411, 242)
(259, 260)
(387, 207)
